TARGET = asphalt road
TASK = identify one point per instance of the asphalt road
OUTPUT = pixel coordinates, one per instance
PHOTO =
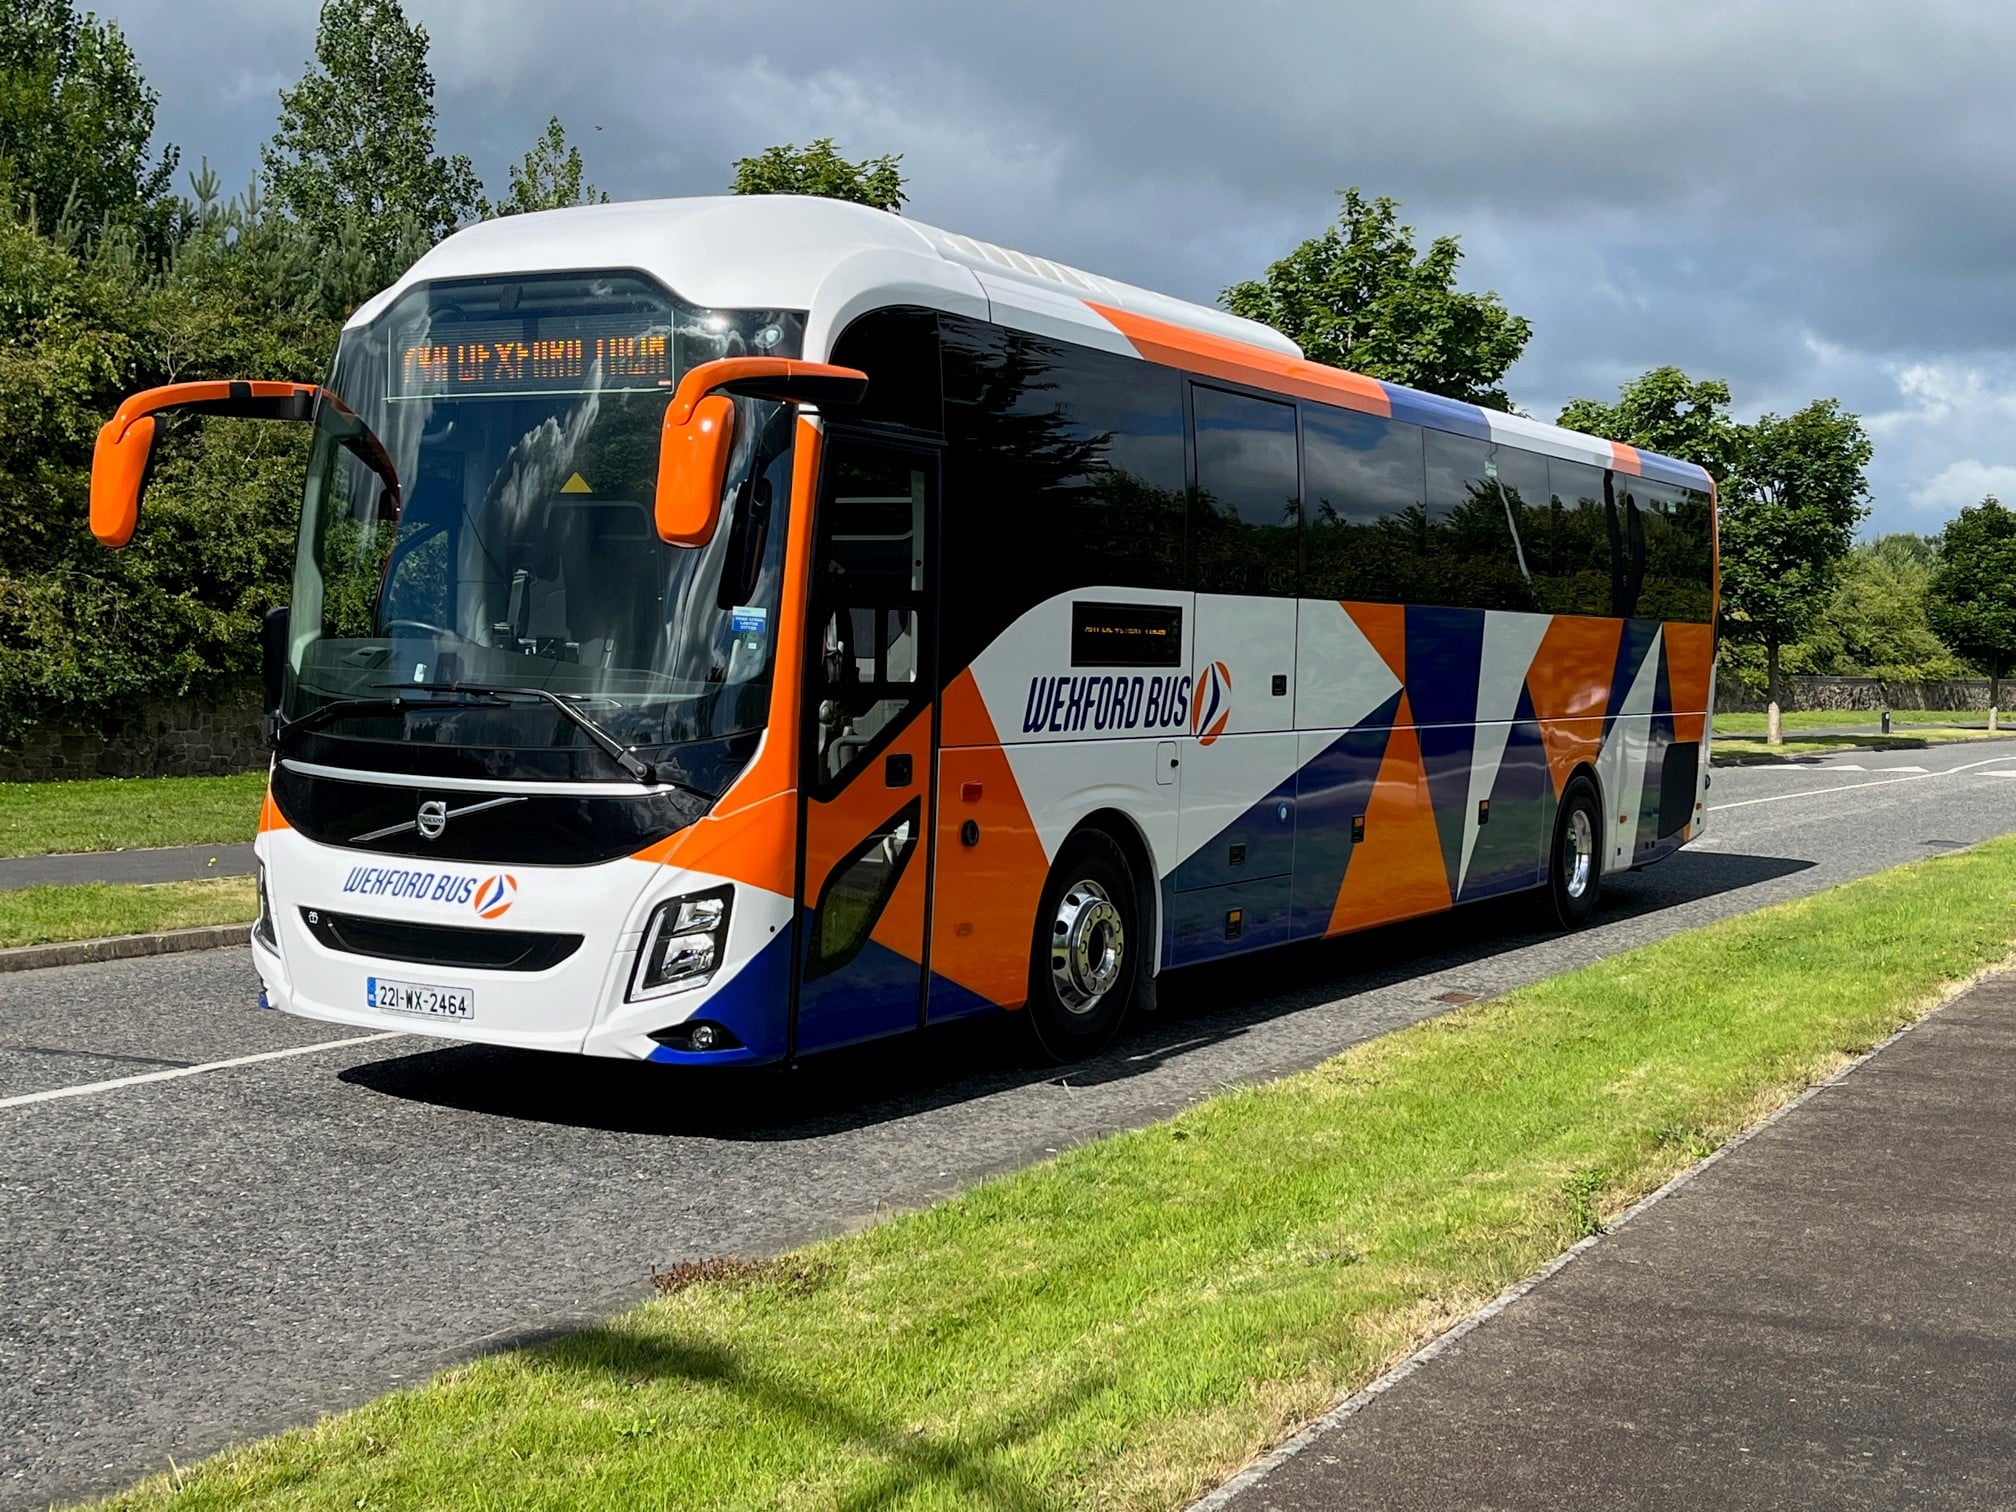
(194, 1260)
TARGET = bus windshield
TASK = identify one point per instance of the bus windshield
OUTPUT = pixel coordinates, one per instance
(523, 417)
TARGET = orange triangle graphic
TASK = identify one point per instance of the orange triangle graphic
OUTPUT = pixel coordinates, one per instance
(1397, 872)
(1385, 625)
(1570, 685)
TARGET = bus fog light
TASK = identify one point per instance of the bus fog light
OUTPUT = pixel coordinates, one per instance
(702, 1037)
(683, 943)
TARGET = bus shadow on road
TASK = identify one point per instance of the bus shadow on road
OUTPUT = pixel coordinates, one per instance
(899, 1078)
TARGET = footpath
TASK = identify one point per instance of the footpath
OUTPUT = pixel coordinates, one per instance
(1825, 1317)
(181, 863)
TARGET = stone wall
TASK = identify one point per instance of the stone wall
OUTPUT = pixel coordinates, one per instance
(1857, 693)
(169, 737)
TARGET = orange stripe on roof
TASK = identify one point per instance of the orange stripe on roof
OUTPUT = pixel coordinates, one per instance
(1241, 362)
(1624, 458)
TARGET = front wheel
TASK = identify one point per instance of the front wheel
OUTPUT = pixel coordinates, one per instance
(1575, 870)
(1086, 954)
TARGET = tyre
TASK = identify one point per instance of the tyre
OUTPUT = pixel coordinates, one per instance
(1575, 865)
(1086, 956)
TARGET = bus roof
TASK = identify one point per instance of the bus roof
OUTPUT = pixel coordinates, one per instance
(836, 261)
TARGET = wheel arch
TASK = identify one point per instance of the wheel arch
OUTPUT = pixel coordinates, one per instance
(1125, 831)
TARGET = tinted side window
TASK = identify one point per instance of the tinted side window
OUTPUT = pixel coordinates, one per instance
(1468, 542)
(1567, 536)
(1064, 470)
(1679, 550)
(1360, 475)
(1246, 526)
(898, 350)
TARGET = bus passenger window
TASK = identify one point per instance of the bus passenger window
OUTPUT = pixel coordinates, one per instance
(1467, 545)
(1362, 483)
(1247, 521)
(1567, 538)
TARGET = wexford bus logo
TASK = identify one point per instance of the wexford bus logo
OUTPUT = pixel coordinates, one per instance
(1211, 703)
(495, 897)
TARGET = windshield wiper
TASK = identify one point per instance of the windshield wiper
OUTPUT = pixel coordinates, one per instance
(624, 756)
(315, 719)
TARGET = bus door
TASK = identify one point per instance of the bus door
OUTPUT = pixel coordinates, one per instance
(865, 805)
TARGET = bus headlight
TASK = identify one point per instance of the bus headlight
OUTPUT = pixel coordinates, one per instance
(262, 927)
(683, 943)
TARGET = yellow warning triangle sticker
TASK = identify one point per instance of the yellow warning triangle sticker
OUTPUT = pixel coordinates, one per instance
(576, 484)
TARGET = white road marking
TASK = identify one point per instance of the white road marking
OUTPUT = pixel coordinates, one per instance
(1999, 774)
(1851, 787)
(88, 1089)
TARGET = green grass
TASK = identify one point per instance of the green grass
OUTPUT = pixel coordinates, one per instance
(1821, 745)
(1841, 719)
(94, 910)
(1125, 1324)
(39, 818)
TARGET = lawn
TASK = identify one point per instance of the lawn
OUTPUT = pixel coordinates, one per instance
(94, 910)
(1841, 719)
(40, 818)
(1127, 1323)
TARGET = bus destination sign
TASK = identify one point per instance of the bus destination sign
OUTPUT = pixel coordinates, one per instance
(513, 357)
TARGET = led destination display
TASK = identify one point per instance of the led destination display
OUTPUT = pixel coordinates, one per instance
(543, 356)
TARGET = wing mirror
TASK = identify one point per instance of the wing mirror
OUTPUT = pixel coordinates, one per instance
(699, 432)
(126, 443)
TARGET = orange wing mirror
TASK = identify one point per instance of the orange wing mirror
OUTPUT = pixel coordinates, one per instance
(125, 444)
(699, 432)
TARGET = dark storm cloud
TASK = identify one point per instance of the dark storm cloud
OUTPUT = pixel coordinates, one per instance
(1804, 198)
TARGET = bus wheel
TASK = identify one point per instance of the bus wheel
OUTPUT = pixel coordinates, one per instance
(1575, 873)
(1087, 949)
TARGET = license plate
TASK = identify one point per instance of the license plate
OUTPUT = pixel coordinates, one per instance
(419, 998)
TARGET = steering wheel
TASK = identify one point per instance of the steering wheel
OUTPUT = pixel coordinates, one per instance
(427, 628)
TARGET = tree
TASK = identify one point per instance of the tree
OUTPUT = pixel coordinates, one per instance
(1876, 622)
(354, 151)
(1667, 412)
(1973, 597)
(1357, 297)
(819, 169)
(550, 178)
(1788, 519)
(76, 126)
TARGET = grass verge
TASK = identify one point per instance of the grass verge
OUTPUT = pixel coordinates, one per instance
(1125, 1324)
(1822, 745)
(1841, 719)
(95, 910)
(44, 818)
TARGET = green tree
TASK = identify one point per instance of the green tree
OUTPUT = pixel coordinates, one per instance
(819, 169)
(354, 153)
(550, 178)
(1973, 597)
(1876, 623)
(1788, 519)
(1358, 297)
(77, 125)
(1667, 412)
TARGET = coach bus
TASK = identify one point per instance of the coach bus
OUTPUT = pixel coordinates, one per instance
(727, 629)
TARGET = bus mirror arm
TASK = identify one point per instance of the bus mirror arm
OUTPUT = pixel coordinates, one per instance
(119, 461)
(699, 433)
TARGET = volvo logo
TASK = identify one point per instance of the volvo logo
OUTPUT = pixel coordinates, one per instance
(432, 819)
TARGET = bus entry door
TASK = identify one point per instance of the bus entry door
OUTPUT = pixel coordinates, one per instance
(866, 815)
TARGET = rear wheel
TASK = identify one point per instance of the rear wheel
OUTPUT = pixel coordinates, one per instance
(1086, 956)
(1575, 871)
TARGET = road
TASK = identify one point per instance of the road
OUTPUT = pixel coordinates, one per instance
(194, 1259)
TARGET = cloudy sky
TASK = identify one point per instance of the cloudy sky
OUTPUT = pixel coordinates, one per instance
(1806, 199)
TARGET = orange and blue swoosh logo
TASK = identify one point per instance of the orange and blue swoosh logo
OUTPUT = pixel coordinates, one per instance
(1211, 703)
(496, 895)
